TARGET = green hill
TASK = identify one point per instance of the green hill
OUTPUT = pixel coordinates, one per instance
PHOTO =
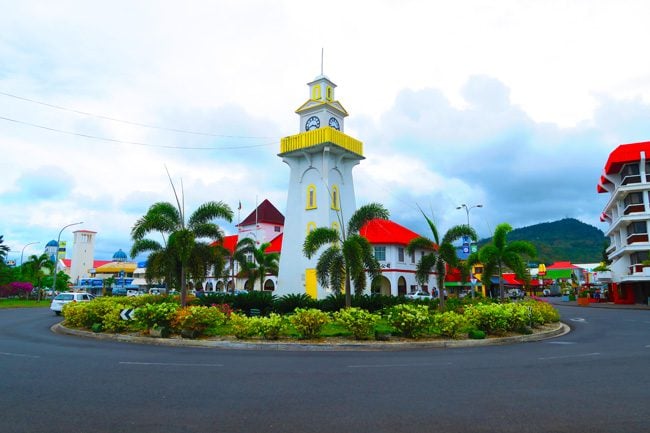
(564, 240)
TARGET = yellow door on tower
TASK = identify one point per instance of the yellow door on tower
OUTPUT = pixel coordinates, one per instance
(311, 286)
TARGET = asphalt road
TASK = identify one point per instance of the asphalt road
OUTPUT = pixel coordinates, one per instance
(595, 379)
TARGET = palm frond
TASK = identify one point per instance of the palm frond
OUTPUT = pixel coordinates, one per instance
(457, 232)
(420, 243)
(209, 211)
(318, 238)
(365, 214)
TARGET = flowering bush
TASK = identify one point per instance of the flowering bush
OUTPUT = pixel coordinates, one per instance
(491, 318)
(197, 318)
(242, 326)
(16, 288)
(450, 324)
(309, 322)
(269, 327)
(409, 319)
(155, 315)
(358, 321)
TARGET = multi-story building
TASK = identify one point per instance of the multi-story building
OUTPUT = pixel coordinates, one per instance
(626, 177)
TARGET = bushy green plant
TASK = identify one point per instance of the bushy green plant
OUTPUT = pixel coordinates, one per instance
(476, 334)
(287, 304)
(331, 303)
(112, 321)
(411, 320)
(450, 324)
(309, 322)
(358, 321)
(197, 318)
(242, 326)
(155, 315)
(542, 312)
(269, 327)
(491, 318)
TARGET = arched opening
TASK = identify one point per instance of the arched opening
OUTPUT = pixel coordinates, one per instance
(248, 285)
(269, 285)
(231, 285)
(380, 286)
(220, 286)
(401, 286)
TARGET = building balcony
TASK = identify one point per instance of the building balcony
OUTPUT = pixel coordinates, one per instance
(634, 208)
(635, 178)
(637, 237)
(315, 137)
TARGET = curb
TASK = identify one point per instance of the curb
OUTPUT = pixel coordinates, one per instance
(559, 331)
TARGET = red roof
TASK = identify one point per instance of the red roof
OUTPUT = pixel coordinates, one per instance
(266, 213)
(276, 245)
(562, 265)
(96, 263)
(380, 231)
(229, 243)
(511, 280)
(623, 154)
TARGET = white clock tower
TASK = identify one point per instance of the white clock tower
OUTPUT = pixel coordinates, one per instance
(321, 188)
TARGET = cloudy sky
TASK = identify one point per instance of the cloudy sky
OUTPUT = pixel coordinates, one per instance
(514, 105)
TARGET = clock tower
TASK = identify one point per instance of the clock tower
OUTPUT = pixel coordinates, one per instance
(321, 189)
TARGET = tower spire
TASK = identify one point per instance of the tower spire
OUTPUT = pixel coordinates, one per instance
(322, 52)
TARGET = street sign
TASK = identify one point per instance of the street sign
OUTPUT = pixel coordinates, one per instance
(127, 314)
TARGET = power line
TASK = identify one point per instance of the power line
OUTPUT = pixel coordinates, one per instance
(129, 122)
(112, 140)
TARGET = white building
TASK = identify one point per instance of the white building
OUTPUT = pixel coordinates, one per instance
(626, 177)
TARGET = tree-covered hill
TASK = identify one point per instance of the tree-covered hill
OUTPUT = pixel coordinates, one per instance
(564, 240)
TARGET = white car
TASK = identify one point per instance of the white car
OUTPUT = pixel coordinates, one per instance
(419, 295)
(65, 298)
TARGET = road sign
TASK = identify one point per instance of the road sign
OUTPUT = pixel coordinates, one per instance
(127, 314)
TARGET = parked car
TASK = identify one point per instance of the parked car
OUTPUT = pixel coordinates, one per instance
(65, 298)
(419, 295)
(516, 294)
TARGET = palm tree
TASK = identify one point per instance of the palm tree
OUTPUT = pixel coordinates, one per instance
(499, 254)
(349, 256)
(440, 254)
(263, 263)
(4, 249)
(35, 268)
(180, 251)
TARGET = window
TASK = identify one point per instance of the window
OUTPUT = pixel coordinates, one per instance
(311, 226)
(277, 229)
(412, 257)
(638, 257)
(380, 253)
(637, 227)
(400, 255)
(315, 92)
(478, 269)
(329, 93)
(335, 197)
(633, 198)
(311, 197)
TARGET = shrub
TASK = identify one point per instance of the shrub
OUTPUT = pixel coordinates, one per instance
(476, 334)
(269, 327)
(309, 322)
(155, 315)
(242, 326)
(358, 321)
(332, 303)
(197, 318)
(543, 312)
(410, 320)
(490, 318)
(111, 319)
(97, 327)
(450, 324)
(287, 304)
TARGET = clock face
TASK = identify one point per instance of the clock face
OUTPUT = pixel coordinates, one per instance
(334, 123)
(312, 123)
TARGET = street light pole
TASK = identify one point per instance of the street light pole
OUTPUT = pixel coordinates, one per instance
(21, 255)
(467, 209)
(56, 255)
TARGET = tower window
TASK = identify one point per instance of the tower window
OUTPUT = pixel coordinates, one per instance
(335, 197)
(311, 197)
(329, 93)
(315, 92)
(311, 226)
(380, 253)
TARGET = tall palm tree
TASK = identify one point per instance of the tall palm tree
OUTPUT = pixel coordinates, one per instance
(499, 254)
(349, 256)
(4, 250)
(181, 250)
(263, 262)
(36, 268)
(439, 255)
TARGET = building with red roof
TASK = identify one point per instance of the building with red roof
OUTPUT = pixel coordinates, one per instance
(626, 178)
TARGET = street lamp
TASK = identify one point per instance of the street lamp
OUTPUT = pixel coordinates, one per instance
(56, 256)
(22, 252)
(467, 209)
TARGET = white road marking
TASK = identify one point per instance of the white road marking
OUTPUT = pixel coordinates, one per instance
(20, 355)
(570, 356)
(173, 364)
(578, 319)
(430, 364)
(560, 342)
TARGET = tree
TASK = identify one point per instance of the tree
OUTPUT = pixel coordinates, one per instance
(439, 254)
(36, 268)
(4, 250)
(263, 263)
(180, 251)
(499, 255)
(349, 256)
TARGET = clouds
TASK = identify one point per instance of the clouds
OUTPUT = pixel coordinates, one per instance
(515, 105)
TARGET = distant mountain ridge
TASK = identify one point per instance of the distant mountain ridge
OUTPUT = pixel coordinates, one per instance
(565, 240)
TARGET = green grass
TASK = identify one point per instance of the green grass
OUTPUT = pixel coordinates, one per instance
(24, 303)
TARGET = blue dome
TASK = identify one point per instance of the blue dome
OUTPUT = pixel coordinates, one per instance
(119, 256)
(52, 243)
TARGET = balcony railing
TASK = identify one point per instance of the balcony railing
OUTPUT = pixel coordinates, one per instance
(319, 136)
(639, 207)
(637, 237)
(635, 178)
